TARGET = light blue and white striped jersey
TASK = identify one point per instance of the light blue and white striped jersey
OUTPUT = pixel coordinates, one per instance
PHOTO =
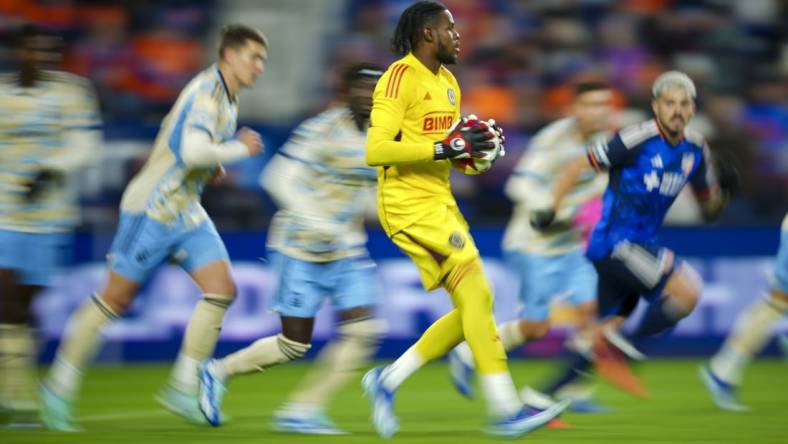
(34, 135)
(167, 189)
(324, 189)
(531, 185)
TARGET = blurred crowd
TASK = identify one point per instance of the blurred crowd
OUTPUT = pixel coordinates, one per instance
(518, 61)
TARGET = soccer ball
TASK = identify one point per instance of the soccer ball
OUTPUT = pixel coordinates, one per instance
(478, 165)
(475, 165)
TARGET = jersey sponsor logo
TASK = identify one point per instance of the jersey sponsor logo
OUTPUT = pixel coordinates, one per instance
(687, 162)
(437, 123)
(451, 95)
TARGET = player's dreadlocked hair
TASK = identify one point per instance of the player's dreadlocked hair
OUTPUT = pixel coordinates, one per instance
(411, 23)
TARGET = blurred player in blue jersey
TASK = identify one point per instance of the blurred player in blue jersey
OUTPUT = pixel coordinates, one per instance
(161, 219)
(550, 263)
(323, 187)
(724, 372)
(648, 165)
(49, 128)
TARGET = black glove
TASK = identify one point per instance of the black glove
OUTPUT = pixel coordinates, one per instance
(541, 219)
(466, 139)
(40, 182)
(727, 173)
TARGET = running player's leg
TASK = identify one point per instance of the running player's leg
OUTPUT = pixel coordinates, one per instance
(27, 263)
(538, 284)
(751, 332)
(355, 292)
(139, 246)
(444, 251)
(297, 300)
(201, 252)
(18, 351)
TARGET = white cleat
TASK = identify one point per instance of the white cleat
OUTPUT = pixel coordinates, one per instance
(182, 404)
(723, 394)
(212, 391)
(382, 402)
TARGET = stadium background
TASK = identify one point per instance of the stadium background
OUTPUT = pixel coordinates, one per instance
(518, 60)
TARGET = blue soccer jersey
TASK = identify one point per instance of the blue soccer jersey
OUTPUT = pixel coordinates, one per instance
(646, 175)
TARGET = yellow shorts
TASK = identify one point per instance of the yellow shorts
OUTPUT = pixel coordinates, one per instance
(438, 243)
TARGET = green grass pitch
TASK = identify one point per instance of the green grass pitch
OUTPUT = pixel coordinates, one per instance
(117, 407)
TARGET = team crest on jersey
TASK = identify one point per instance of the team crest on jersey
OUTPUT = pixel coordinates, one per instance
(687, 162)
(457, 240)
(452, 97)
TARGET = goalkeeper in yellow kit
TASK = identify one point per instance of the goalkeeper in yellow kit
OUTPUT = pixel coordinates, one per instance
(415, 129)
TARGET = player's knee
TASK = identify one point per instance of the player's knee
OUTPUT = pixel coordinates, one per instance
(291, 350)
(536, 330)
(223, 286)
(364, 332)
(685, 287)
(118, 302)
(778, 299)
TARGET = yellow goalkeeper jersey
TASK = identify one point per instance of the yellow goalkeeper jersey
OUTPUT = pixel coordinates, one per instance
(412, 110)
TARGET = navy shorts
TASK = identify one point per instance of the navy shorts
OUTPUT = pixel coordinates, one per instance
(631, 271)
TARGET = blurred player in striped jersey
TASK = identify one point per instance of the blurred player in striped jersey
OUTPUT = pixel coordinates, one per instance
(316, 242)
(49, 128)
(724, 372)
(550, 263)
(161, 219)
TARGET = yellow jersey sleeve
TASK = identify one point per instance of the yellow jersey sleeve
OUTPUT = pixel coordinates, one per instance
(393, 96)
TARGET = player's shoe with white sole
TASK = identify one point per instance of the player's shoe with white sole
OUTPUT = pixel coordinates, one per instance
(723, 394)
(526, 421)
(462, 374)
(382, 403)
(56, 411)
(212, 391)
(314, 424)
(182, 404)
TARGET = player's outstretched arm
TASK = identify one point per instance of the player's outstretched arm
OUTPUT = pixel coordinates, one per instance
(199, 150)
(542, 216)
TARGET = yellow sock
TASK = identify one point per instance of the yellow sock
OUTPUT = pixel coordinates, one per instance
(473, 298)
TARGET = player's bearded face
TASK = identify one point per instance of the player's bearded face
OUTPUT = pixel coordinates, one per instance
(674, 108)
(448, 39)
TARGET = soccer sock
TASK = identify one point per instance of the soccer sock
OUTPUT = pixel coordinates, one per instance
(749, 335)
(660, 316)
(472, 296)
(511, 335)
(339, 361)
(397, 372)
(577, 366)
(442, 335)
(17, 367)
(199, 340)
(502, 398)
(78, 347)
(262, 354)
